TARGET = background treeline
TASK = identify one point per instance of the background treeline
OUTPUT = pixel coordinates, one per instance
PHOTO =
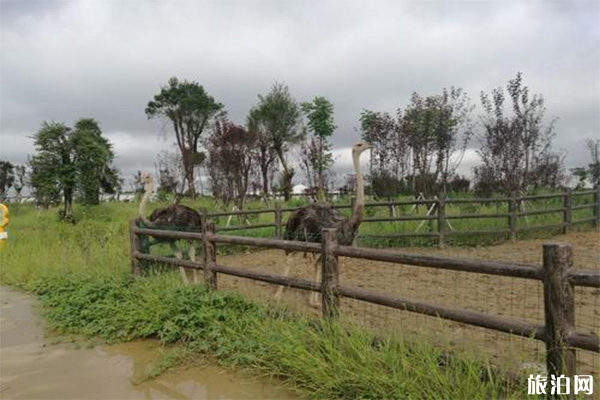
(417, 149)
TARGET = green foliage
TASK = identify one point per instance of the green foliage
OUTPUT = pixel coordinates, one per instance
(94, 156)
(70, 161)
(190, 109)
(589, 174)
(277, 118)
(81, 275)
(7, 178)
(320, 359)
(319, 113)
(316, 155)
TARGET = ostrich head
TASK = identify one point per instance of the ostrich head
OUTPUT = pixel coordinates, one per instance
(359, 147)
(146, 178)
(148, 181)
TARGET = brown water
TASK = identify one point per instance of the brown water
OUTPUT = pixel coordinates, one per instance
(32, 368)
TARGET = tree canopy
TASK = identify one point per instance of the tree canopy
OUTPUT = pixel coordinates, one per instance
(516, 146)
(316, 155)
(190, 109)
(278, 116)
(7, 178)
(70, 162)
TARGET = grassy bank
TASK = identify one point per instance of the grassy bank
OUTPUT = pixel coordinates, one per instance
(80, 273)
(318, 359)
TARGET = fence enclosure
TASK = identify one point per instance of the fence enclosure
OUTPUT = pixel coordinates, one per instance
(556, 274)
(438, 208)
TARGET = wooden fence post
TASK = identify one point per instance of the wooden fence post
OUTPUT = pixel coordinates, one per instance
(596, 209)
(441, 218)
(512, 216)
(559, 309)
(352, 201)
(134, 246)
(210, 255)
(329, 274)
(278, 233)
(568, 211)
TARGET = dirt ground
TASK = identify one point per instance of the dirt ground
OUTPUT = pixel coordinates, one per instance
(512, 297)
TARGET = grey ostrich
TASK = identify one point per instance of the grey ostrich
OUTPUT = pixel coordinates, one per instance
(174, 216)
(306, 223)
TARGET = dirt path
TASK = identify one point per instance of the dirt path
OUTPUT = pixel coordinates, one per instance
(32, 368)
(517, 298)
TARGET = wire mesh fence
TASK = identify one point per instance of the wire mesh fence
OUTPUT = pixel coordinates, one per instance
(496, 295)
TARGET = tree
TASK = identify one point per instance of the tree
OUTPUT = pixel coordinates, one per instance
(93, 158)
(7, 178)
(171, 175)
(277, 115)
(230, 162)
(590, 173)
(389, 152)
(516, 147)
(190, 110)
(69, 161)
(316, 160)
(263, 152)
(432, 127)
(593, 146)
(20, 180)
(319, 114)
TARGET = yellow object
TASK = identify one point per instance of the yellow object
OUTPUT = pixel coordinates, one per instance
(3, 223)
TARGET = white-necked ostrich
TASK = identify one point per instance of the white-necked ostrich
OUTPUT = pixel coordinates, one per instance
(306, 223)
(174, 216)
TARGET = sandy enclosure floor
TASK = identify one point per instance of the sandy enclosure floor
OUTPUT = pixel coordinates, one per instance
(512, 297)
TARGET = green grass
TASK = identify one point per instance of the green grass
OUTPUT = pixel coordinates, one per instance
(80, 273)
(316, 358)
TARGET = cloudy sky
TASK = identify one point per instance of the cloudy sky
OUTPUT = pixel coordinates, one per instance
(64, 60)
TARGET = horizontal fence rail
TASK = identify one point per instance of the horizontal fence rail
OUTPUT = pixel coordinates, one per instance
(438, 218)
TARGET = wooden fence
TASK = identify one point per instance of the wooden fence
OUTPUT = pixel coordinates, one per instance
(438, 207)
(556, 274)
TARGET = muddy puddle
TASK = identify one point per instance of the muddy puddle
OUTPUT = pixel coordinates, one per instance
(33, 368)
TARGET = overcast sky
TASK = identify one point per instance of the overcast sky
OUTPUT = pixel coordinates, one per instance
(65, 60)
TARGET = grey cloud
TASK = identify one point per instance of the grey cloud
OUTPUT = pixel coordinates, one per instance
(66, 60)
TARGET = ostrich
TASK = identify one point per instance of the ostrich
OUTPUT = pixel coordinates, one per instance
(174, 216)
(306, 223)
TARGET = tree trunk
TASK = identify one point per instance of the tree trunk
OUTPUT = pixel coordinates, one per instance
(264, 170)
(287, 176)
(188, 166)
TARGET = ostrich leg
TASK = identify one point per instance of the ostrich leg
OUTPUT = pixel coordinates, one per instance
(315, 297)
(286, 272)
(177, 253)
(192, 255)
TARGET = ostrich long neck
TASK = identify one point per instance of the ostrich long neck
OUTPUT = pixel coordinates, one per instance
(359, 205)
(148, 188)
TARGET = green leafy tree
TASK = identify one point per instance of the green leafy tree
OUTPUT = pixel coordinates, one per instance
(7, 178)
(263, 153)
(93, 159)
(190, 110)
(278, 116)
(590, 173)
(437, 128)
(70, 161)
(319, 114)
